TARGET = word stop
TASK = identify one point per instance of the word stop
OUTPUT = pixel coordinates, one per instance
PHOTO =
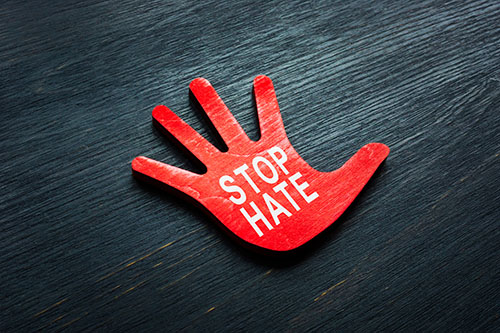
(277, 203)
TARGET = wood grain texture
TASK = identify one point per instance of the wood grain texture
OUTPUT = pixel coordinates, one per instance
(86, 247)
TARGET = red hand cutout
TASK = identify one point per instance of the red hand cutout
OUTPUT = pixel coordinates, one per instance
(263, 191)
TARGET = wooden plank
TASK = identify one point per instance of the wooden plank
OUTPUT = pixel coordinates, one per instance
(85, 246)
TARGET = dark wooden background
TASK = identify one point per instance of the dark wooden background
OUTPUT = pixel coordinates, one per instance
(84, 246)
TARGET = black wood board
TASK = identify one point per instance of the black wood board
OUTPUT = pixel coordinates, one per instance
(84, 246)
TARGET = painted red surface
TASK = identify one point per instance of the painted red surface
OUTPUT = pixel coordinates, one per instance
(263, 191)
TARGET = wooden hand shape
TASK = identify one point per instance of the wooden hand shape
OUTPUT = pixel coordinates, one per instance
(263, 192)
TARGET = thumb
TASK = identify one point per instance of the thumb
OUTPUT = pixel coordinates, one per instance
(360, 167)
